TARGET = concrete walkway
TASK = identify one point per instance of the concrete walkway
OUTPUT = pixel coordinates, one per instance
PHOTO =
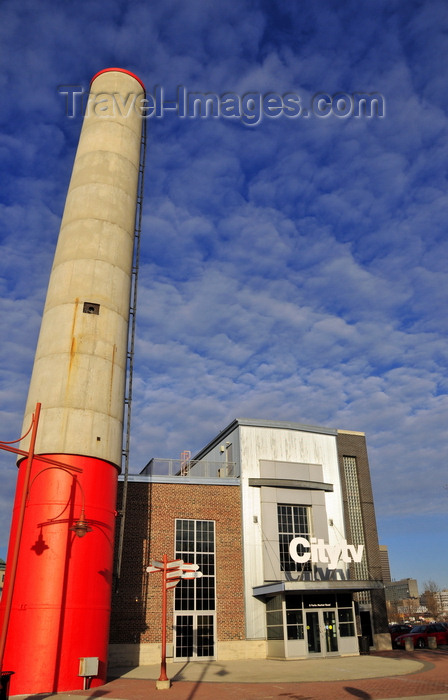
(271, 671)
(381, 675)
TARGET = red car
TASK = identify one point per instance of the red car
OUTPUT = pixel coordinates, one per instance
(420, 634)
(397, 630)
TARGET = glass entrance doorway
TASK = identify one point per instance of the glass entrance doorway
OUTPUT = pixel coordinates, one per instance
(194, 637)
(321, 632)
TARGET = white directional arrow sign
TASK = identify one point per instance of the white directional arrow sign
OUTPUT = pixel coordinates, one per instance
(190, 571)
(174, 573)
(176, 564)
(172, 584)
(189, 567)
(191, 574)
(153, 569)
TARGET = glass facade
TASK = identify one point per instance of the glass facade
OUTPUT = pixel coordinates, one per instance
(297, 617)
(346, 622)
(294, 617)
(274, 617)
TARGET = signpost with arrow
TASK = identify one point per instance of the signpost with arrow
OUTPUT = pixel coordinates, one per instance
(172, 571)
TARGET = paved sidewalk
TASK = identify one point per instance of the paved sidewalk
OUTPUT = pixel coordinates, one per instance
(381, 675)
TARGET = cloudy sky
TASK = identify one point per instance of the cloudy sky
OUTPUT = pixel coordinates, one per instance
(293, 268)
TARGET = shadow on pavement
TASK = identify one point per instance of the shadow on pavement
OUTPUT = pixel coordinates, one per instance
(358, 693)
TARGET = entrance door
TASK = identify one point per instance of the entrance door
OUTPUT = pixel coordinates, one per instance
(313, 632)
(194, 637)
(330, 631)
(321, 632)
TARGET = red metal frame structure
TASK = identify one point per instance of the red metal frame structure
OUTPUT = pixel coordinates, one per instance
(12, 568)
(80, 527)
(47, 606)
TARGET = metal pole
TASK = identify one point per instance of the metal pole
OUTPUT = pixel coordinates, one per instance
(163, 676)
(15, 555)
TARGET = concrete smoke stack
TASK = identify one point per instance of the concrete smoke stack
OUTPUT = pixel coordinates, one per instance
(61, 604)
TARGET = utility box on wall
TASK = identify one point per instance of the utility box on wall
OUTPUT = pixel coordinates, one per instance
(88, 666)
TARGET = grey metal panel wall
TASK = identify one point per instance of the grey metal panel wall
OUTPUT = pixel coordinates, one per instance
(260, 445)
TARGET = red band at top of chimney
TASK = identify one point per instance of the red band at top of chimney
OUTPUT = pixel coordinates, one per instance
(119, 70)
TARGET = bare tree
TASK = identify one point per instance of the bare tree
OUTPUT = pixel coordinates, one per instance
(431, 598)
(392, 611)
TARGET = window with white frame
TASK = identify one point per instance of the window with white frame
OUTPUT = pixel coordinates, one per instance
(195, 544)
(293, 521)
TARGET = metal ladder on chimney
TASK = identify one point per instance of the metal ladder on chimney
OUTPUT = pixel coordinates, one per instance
(130, 353)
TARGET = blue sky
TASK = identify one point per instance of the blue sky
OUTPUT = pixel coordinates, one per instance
(291, 270)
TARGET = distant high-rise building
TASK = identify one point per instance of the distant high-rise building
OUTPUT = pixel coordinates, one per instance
(401, 590)
(385, 566)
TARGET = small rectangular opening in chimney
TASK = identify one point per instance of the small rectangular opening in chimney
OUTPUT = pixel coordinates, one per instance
(90, 308)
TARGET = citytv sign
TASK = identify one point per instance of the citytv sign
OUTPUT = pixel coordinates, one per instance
(321, 552)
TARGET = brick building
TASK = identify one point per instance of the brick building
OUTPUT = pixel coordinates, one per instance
(280, 519)
(165, 509)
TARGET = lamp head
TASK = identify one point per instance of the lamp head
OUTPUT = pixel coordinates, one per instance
(81, 527)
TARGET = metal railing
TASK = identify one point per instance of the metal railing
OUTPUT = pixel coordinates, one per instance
(202, 468)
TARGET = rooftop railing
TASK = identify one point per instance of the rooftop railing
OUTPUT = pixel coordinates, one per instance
(201, 468)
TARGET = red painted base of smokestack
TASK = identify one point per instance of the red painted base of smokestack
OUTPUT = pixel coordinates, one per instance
(61, 605)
